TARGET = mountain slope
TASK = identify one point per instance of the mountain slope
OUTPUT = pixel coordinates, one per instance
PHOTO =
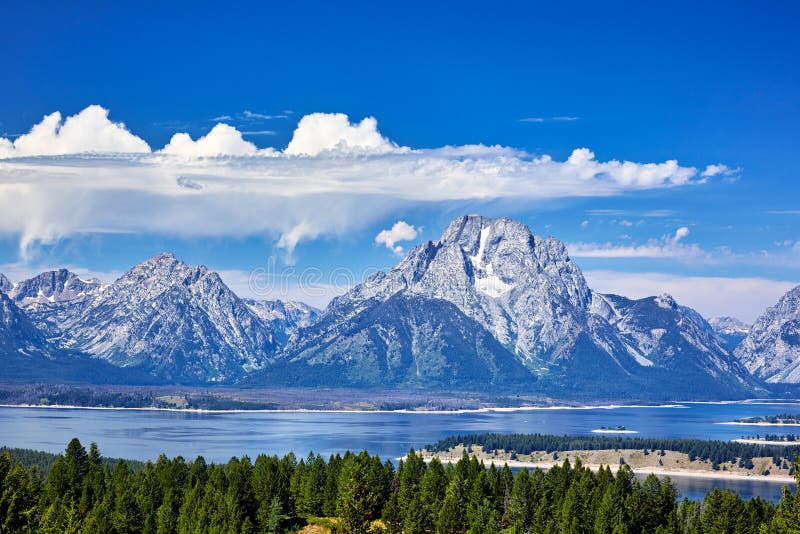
(26, 356)
(408, 341)
(659, 333)
(174, 321)
(771, 350)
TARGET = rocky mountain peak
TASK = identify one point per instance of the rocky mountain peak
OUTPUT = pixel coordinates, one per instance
(728, 325)
(53, 287)
(524, 289)
(6, 285)
(771, 349)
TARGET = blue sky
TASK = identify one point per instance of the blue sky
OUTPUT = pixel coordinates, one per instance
(709, 84)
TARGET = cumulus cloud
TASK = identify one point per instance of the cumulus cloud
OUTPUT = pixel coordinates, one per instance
(320, 132)
(222, 140)
(88, 131)
(401, 231)
(335, 176)
(744, 298)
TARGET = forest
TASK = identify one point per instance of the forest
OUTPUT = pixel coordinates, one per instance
(357, 493)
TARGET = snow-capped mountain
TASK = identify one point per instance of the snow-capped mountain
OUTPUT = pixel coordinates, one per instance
(533, 300)
(53, 287)
(523, 289)
(173, 320)
(731, 329)
(771, 350)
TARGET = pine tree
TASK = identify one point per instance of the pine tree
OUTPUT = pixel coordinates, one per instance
(357, 503)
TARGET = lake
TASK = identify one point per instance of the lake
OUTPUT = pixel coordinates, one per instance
(143, 435)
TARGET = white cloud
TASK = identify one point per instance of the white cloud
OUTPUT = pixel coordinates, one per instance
(88, 131)
(718, 170)
(222, 140)
(259, 132)
(247, 114)
(401, 231)
(320, 132)
(680, 233)
(666, 247)
(584, 224)
(334, 177)
(560, 118)
(744, 298)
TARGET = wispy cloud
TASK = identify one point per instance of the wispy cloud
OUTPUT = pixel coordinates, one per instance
(69, 176)
(247, 114)
(631, 213)
(560, 118)
(669, 246)
(259, 132)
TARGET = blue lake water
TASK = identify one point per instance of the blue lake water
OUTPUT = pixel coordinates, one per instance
(144, 435)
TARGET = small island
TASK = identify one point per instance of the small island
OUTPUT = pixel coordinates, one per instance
(613, 430)
(663, 457)
(782, 419)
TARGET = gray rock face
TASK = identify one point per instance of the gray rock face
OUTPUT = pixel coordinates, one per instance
(6, 285)
(771, 350)
(53, 287)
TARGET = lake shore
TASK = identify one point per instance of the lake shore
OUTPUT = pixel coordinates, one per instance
(755, 441)
(738, 423)
(488, 409)
(688, 473)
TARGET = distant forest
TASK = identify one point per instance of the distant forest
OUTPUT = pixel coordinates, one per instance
(357, 493)
(717, 452)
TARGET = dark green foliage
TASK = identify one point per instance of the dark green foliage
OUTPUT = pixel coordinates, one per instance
(84, 493)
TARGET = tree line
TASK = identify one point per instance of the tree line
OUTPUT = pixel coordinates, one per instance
(717, 452)
(359, 493)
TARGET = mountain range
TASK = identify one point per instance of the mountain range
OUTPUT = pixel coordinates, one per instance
(488, 305)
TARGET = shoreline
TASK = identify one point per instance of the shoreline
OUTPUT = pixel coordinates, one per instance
(737, 423)
(498, 409)
(688, 473)
(755, 441)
